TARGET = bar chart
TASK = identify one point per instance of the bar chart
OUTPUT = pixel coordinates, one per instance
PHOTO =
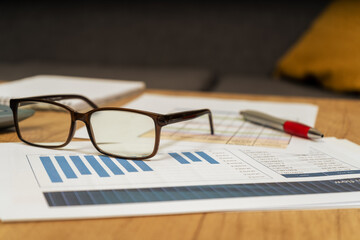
(182, 167)
(176, 175)
(176, 167)
(77, 169)
(84, 170)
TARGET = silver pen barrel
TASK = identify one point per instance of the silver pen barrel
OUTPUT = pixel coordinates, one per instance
(263, 119)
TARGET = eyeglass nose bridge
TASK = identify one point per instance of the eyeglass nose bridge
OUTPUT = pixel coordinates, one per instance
(83, 117)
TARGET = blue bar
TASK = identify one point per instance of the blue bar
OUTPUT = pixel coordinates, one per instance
(343, 172)
(192, 157)
(123, 196)
(50, 169)
(95, 197)
(295, 175)
(150, 195)
(69, 173)
(126, 165)
(84, 197)
(161, 194)
(207, 158)
(96, 166)
(179, 158)
(110, 196)
(80, 165)
(56, 199)
(143, 166)
(49, 199)
(111, 165)
(136, 195)
(71, 198)
(319, 174)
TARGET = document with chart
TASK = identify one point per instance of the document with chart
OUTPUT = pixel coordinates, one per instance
(78, 182)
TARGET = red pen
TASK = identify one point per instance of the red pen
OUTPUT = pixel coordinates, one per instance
(291, 127)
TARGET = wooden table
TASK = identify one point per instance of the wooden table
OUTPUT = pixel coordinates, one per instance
(337, 117)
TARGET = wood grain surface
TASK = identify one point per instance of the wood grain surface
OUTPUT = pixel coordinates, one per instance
(337, 117)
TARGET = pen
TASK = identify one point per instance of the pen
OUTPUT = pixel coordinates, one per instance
(291, 127)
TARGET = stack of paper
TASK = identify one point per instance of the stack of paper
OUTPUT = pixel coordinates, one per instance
(97, 90)
(251, 168)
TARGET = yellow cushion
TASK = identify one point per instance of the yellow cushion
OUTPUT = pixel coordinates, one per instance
(329, 51)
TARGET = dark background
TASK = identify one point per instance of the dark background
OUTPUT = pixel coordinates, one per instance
(214, 46)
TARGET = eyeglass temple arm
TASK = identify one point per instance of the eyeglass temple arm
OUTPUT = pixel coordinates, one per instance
(63, 97)
(188, 115)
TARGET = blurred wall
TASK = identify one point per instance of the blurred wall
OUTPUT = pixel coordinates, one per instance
(222, 36)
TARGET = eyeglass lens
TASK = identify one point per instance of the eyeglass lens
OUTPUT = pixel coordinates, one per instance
(49, 125)
(123, 133)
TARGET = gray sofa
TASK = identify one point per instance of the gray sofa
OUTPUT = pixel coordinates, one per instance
(220, 46)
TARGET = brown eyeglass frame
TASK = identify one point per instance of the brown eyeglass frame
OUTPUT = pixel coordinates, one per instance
(160, 120)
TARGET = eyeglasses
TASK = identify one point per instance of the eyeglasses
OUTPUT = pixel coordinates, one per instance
(117, 132)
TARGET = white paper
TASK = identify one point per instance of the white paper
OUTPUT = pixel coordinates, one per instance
(97, 90)
(25, 180)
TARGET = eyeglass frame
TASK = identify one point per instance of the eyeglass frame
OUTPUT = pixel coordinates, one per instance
(160, 120)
